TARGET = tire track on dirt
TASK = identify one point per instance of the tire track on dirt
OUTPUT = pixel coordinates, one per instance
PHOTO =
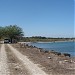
(15, 66)
(31, 67)
(4, 69)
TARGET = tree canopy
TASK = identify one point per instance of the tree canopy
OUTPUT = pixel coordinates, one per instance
(1, 32)
(11, 31)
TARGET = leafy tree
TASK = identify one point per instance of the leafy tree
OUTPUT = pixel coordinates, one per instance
(12, 32)
(1, 32)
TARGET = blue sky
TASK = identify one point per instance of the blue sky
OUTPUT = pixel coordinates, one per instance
(50, 18)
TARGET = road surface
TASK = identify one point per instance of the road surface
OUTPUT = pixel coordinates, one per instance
(12, 62)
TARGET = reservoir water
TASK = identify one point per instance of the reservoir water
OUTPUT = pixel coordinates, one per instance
(63, 47)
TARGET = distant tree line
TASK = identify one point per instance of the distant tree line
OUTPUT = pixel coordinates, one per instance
(44, 39)
(11, 32)
(38, 37)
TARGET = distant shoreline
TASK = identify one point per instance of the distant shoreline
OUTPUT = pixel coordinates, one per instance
(47, 42)
(52, 41)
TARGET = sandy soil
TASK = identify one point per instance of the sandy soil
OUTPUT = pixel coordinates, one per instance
(12, 62)
(4, 69)
(57, 65)
(15, 66)
(32, 68)
(25, 60)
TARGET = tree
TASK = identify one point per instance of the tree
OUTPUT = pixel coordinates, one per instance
(1, 32)
(11, 32)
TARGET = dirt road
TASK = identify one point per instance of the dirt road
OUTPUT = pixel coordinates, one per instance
(4, 70)
(31, 67)
(9, 57)
(15, 60)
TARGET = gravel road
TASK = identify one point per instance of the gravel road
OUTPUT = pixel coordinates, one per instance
(28, 61)
(30, 66)
(4, 69)
(12, 62)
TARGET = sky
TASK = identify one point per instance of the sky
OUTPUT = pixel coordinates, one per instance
(49, 18)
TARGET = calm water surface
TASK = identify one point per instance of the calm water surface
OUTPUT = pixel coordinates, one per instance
(63, 47)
